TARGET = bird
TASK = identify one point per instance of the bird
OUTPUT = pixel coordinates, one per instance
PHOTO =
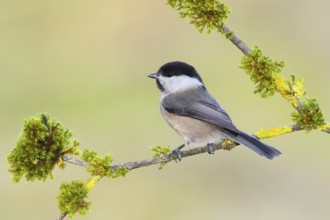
(188, 107)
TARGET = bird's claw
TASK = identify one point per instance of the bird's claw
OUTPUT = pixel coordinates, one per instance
(176, 155)
(210, 148)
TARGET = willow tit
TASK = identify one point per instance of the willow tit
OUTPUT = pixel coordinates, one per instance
(192, 112)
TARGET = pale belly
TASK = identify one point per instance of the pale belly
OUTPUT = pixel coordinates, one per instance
(193, 130)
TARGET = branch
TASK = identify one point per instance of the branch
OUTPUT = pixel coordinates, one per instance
(160, 160)
(235, 40)
(76, 161)
(263, 134)
(62, 216)
(326, 129)
(274, 132)
(308, 113)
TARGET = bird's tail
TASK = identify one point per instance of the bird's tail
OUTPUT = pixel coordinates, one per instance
(256, 145)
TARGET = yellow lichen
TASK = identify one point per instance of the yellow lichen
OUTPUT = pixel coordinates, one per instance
(227, 144)
(290, 91)
(298, 88)
(282, 88)
(324, 127)
(60, 163)
(281, 85)
(267, 133)
(92, 181)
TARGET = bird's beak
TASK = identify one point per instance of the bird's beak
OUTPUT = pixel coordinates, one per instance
(153, 75)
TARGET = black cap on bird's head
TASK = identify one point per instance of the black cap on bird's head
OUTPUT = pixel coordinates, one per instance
(175, 76)
(177, 68)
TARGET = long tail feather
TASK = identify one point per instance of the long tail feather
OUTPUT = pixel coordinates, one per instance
(255, 144)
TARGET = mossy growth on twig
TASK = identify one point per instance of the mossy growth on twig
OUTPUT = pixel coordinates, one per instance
(71, 199)
(101, 165)
(292, 91)
(204, 14)
(211, 15)
(309, 115)
(160, 151)
(39, 148)
(263, 71)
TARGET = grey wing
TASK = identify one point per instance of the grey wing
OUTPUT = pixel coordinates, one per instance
(199, 104)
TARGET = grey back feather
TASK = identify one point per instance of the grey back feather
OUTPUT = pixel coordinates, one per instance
(199, 104)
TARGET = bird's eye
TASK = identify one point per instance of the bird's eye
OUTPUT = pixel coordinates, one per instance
(170, 74)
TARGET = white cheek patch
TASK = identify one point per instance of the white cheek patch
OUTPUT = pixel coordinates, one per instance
(176, 83)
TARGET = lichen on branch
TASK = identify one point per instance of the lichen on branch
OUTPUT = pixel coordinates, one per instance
(101, 166)
(39, 148)
(265, 73)
(204, 14)
(71, 199)
(159, 151)
(309, 115)
(292, 91)
(262, 71)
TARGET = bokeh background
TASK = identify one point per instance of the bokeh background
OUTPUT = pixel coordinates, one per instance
(86, 63)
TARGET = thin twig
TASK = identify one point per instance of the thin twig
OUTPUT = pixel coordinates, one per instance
(166, 158)
(327, 130)
(194, 151)
(152, 161)
(237, 41)
(297, 127)
(76, 161)
(62, 216)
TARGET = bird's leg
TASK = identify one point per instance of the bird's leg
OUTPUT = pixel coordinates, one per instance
(176, 153)
(210, 148)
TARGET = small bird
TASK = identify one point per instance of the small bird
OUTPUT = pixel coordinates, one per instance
(193, 113)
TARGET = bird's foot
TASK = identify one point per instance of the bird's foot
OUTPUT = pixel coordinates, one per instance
(176, 153)
(210, 148)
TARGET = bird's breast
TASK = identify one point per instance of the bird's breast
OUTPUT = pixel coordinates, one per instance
(192, 130)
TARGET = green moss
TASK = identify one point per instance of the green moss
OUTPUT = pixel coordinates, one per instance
(229, 35)
(309, 115)
(204, 14)
(39, 148)
(158, 151)
(71, 199)
(263, 71)
(101, 165)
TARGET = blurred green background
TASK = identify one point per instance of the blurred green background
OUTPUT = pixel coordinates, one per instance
(86, 63)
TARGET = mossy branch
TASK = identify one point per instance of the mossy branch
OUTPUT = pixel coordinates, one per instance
(164, 158)
(263, 71)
